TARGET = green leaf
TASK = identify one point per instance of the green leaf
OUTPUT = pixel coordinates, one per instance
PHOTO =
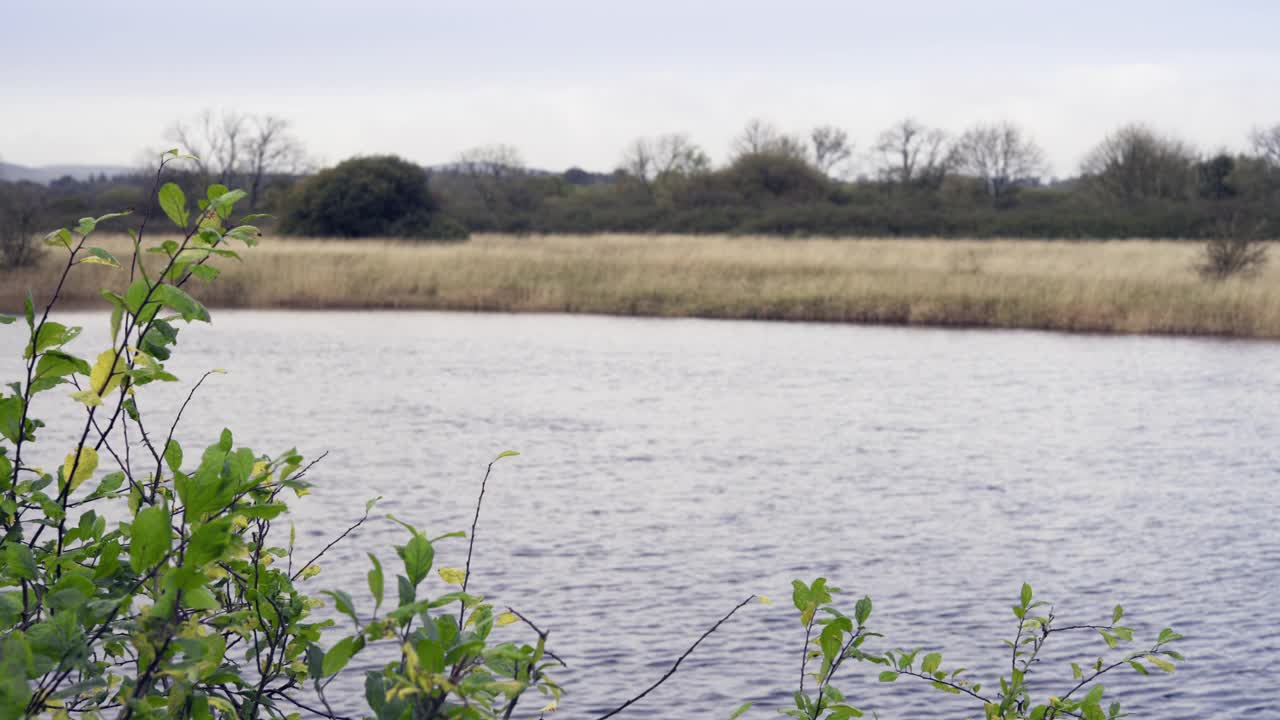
(1095, 695)
(71, 592)
(109, 484)
(152, 537)
(199, 598)
(342, 601)
(377, 584)
(1026, 594)
(7, 319)
(224, 202)
(740, 711)
(55, 364)
(174, 203)
(418, 555)
(173, 455)
(247, 234)
(1116, 614)
(338, 656)
(19, 561)
(59, 238)
(11, 418)
(506, 454)
(406, 591)
(1161, 663)
(208, 273)
(862, 611)
(175, 298)
(829, 641)
(51, 334)
(1108, 638)
(315, 661)
(1139, 667)
(98, 256)
(888, 676)
(269, 511)
(10, 610)
(103, 218)
(208, 543)
(930, 663)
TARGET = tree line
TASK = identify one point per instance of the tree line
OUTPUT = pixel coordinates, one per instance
(915, 179)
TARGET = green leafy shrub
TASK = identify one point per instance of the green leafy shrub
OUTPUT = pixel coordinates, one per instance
(380, 196)
(833, 637)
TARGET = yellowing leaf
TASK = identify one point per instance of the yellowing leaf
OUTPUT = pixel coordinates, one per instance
(764, 599)
(83, 470)
(93, 260)
(106, 375)
(506, 618)
(551, 706)
(88, 397)
(453, 576)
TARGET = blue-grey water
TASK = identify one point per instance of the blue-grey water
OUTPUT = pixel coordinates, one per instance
(670, 468)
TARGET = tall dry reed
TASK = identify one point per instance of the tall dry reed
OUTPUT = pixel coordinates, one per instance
(1120, 286)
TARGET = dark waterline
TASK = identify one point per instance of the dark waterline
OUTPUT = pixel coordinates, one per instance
(672, 467)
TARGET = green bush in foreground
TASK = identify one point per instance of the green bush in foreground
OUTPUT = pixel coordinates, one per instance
(193, 605)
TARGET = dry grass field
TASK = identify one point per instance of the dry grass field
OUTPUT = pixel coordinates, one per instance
(1121, 286)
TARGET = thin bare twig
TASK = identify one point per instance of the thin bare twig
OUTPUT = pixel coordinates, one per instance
(679, 660)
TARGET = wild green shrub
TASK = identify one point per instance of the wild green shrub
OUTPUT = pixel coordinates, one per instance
(833, 637)
(380, 196)
(163, 583)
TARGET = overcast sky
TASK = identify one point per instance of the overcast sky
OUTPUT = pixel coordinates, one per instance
(570, 82)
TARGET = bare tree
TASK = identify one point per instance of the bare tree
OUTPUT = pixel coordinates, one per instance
(216, 139)
(490, 171)
(238, 148)
(638, 161)
(1134, 163)
(761, 137)
(495, 161)
(830, 147)
(1266, 144)
(913, 154)
(1000, 155)
(271, 148)
(648, 159)
(757, 137)
(21, 206)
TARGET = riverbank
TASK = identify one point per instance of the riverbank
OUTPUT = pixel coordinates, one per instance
(1116, 286)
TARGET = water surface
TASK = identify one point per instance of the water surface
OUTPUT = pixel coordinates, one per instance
(670, 468)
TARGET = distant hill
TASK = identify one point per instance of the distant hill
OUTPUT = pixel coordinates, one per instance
(47, 173)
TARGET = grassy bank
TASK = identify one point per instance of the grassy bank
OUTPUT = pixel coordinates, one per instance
(1125, 286)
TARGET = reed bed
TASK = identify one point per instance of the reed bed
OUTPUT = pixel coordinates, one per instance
(1129, 286)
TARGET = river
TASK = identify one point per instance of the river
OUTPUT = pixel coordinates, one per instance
(670, 468)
